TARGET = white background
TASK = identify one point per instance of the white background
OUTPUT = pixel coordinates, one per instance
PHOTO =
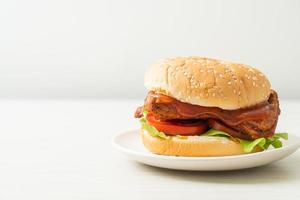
(81, 49)
(101, 49)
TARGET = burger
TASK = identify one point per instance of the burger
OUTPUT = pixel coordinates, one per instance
(199, 107)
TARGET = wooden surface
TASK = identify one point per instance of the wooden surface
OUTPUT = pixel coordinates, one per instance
(61, 150)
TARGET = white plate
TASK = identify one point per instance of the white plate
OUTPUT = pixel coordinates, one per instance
(131, 145)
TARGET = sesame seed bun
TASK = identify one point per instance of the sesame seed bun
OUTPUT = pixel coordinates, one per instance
(208, 82)
(192, 146)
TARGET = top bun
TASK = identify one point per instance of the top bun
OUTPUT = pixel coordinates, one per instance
(208, 82)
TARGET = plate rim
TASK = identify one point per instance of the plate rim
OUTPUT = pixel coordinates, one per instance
(185, 158)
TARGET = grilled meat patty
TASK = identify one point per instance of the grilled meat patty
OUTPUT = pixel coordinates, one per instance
(247, 123)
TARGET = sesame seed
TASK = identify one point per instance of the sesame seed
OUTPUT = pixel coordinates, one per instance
(229, 83)
(254, 78)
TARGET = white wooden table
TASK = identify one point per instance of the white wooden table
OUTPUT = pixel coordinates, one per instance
(61, 150)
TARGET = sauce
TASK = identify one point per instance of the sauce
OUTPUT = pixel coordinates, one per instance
(230, 117)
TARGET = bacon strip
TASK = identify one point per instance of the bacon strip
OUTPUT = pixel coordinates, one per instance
(248, 123)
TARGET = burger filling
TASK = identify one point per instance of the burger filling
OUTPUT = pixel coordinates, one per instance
(163, 116)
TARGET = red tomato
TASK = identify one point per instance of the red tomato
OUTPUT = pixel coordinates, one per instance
(177, 128)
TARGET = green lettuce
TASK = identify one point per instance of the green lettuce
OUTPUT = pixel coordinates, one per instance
(247, 145)
(264, 143)
(216, 133)
(152, 130)
(250, 145)
(275, 140)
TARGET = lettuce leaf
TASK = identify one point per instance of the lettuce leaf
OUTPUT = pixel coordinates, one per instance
(276, 144)
(249, 145)
(281, 135)
(275, 140)
(152, 130)
(263, 143)
(216, 133)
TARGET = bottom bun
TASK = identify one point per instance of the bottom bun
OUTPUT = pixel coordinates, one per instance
(193, 146)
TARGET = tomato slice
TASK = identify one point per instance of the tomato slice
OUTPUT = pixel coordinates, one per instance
(177, 128)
